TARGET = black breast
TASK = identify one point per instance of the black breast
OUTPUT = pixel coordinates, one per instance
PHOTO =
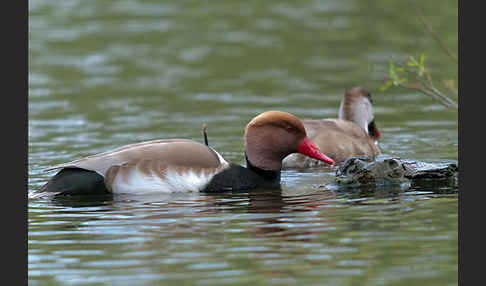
(238, 178)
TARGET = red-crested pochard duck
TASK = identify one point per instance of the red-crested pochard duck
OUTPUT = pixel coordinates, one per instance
(173, 165)
(354, 133)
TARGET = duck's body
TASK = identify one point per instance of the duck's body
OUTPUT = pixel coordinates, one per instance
(354, 133)
(166, 164)
(176, 165)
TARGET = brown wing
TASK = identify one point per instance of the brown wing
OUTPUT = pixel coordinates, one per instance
(340, 139)
(173, 152)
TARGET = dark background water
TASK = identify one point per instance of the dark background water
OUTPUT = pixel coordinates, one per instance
(107, 73)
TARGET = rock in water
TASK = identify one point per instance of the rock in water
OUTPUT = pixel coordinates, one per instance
(361, 171)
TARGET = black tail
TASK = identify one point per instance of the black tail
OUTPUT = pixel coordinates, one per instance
(75, 181)
(205, 134)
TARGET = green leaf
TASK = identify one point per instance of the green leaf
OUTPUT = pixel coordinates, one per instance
(422, 59)
(392, 71)
(399, 81)
(421, 66)
(412, 62)
(386, 85)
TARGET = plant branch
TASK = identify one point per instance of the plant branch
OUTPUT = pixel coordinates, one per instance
(428, 28)
(426, 86)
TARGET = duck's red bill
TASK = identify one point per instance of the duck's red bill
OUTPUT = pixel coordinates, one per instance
(308, 148)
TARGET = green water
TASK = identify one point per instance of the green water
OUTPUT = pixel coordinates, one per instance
(107, 73)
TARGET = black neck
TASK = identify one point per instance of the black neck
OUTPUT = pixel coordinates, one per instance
(238, 178)
(268, 175)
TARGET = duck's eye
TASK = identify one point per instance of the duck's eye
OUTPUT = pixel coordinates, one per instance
(290, 129)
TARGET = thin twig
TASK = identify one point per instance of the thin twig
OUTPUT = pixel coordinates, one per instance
(431, 31)
(449, 84)
(427, 87)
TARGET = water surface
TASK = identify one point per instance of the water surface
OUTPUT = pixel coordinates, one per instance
(107, 73)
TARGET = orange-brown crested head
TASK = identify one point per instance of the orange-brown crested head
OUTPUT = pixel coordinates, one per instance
(273, 135)
(278, 119)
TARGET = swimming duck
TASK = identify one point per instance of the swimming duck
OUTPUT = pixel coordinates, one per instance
(353, 133)
(182, 165)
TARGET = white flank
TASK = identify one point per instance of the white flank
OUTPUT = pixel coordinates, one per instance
(137, 183)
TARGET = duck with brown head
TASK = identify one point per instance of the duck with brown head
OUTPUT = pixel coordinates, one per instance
(356, 107)
(178, 165)
(354, 133)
